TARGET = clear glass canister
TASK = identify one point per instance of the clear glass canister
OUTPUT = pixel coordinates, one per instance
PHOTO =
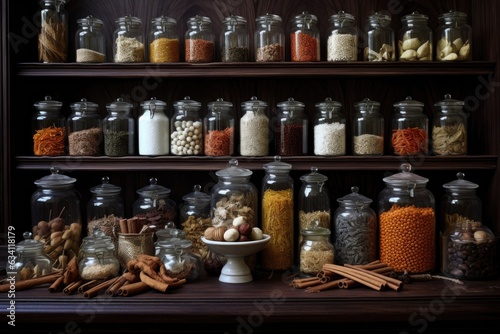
(163, 41)
(329, 129)
(291, 129)
(56, 215)
(49, 128)
(278, 215)
(355, 231)
(410, 128)
(97, 259)
(453, 37)
(342, 42)
(380, 38)
(30, 260)
(186, 132)
(199, 40)
(153, 128)
(128, 46)
(219, 125)
(407, 223)
(368, 128)
(415, 41)
(53, 32)
(460, 203)
(314, 201)
(315, 250)
(449, 130)
(119, 129)
(305, 38)
(85, 129)
(90, 43)
(179, 260)
(234, 40)
(105, 208)
(154, 207)
(269, 39)
(254, 128)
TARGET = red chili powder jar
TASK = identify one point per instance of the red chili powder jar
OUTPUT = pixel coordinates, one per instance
(305, 38)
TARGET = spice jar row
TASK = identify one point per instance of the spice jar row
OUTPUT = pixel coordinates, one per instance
(414, 40)
(187, 133)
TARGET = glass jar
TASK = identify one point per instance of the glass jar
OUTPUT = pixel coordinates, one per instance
(128, 46)
(53, 32)
(278, 215)
(449, 131)
(168, 232)
(49, 128)
(453, 37)
(342, 43)
(410, 128)
(84, 129)
(234, 40)
(90, 43)
(415, 38)
(154, 128)
(269, 39)
(368, 128)
(154, 207)
(329, 129)
(314, 201)
(163, 41)
(119, 129)
(315, 250)
(460, 203)
(291, 128)
(97, 260)
(179, 260)
(105, 208)
(355, 230)
(380, 44)
(56, 215)
(186, 136)
(219, 125)
(407, 223)
(30, 260)
(305, 38)
(254, 128)
(199, 40)
(469, 251)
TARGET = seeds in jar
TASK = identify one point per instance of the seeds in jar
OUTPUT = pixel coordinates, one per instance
(355, 239)
(100, 271)
(199, 50)
(85, 142)
(128, 50)
(187, 138)
(368, 144)
(329, 139)
(342, 47)
(164, 50)
(270, 52)
(254, 134)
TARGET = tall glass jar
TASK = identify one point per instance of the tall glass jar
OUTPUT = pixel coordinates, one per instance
(128, 46)
(49, 128)
(453, 37)
(56, 215)
(234, 40)
(329, 129)
(219, 125)
(407, 223)
(254, 128)
(355, 230)
(368, 128)
(90, 43)
(119, 129)
(305, 38)
(410, 128)
(84, 129)
(314, 201)
(449, 130)
(199, 40)
(380, 38)
(153, 128)
(291, 128)
(53, 32)
(30, 259)
(415, 42)
(97, 259)
(269, 39)
(105, 208)
(186, 130)
(278, 215)
(163, 41)
(342, 43)
(315, 250)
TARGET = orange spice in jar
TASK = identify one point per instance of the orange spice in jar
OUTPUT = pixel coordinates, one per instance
(305, 38)
(49, 128)
(199, 40)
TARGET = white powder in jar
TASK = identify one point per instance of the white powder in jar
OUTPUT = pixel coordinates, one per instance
(342, 47)
(254, 134)
(329, 139)
(153, 134)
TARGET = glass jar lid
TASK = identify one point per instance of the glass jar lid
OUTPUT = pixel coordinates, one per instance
(170, 232)
(105, 188)
(277, 166)
(269, 18)
(48, 104)
(460, 184)
(187, 103)
(55, 179)
(315, 231)
(153, 190)
(84, 105)
(409, 105)
(291, 105)
(453, 15)
(164, 21)
(90, 21)
(342, 18)
(129, 21)
(328, 105)
(233, 171)
(448, 102)
(415, 16)
(29, 245)
(367, 105)
(220, 105)
(119, 104)
(174, 244)
(306, 19)
(199, 20)
(379, 19)
(405, 177)
(234, 20)
(354, 198)
(254, 104)
(97, 242)
(153, 103)
(314, 176)
(197, 196)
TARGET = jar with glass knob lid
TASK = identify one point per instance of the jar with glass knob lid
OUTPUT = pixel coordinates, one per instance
(342, 42)
(30, 259)
(105, 208)
(329, 129)
(90, 43)
(85, 135)
(49, 128)
(314, 200)
(379, 38)
(186, 128)
(453, 37)
(254, 128)
(97, 259)
(119, 129)
(368, 128)
(163, 41)
(449, 130)
(291, 131)
(269, 39)
(415, 41)
(305, 38)
(410, 128)
(153, 128)
(219, 128)
(315, 250)
(199, 40)
(234, 40)
(53, 32)
(128, 46)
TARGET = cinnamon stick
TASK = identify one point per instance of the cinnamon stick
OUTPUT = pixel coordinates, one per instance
(349, 283)
(87, 285)
(31, 283)
(72, 287)
(57, 285)
(152, 283)
(113, 289)
(132, 289)
(123, 226)
(358, 276)
(325, 286)
(391, 282)
(92, 292)
(307, 283)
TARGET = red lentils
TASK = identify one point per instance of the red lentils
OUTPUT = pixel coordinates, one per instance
(304, 47)
(199, 50)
